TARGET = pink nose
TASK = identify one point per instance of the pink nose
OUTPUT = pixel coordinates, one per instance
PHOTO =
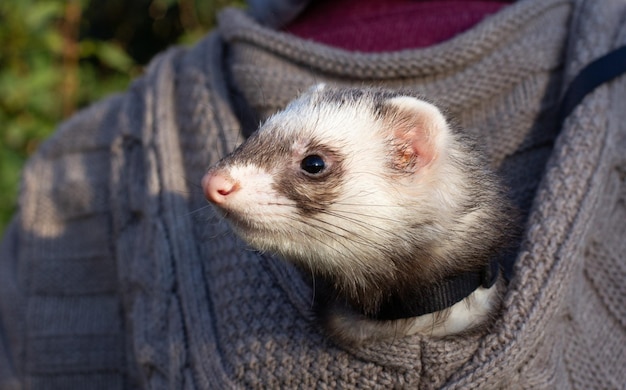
(217, 187)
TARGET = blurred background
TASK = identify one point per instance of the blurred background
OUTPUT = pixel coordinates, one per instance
(57, 56)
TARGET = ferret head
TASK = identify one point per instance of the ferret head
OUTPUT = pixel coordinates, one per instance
(365, 188)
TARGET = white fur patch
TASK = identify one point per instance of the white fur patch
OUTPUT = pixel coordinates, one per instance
(463, 315)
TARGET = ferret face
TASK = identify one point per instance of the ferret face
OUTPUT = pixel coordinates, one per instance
(338, 181)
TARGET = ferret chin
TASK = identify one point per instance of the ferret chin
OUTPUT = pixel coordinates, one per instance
(392, 210)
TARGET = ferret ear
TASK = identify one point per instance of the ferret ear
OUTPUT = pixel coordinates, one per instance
(419, 130)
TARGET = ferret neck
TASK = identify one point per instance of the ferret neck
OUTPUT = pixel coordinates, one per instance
(438, 296)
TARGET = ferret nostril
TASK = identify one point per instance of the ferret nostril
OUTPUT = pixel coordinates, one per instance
(217, 187)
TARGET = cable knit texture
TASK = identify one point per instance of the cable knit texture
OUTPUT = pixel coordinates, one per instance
(116, 274)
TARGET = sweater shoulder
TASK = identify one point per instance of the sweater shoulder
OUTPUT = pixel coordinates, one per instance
(61, 255)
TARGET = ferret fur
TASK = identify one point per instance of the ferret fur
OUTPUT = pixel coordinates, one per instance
(401, 201)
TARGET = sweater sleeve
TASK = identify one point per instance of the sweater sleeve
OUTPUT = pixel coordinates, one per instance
(11, 304)
(59, 308)
(71, 259)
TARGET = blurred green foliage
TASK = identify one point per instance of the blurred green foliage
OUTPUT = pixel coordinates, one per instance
(57, 56)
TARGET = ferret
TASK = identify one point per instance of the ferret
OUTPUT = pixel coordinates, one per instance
(381, 199)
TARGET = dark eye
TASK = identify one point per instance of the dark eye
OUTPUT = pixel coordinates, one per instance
(313, 164)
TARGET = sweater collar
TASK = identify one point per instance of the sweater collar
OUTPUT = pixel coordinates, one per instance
(269, 68)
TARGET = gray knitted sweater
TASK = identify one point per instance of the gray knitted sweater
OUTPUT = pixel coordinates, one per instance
(116, 274)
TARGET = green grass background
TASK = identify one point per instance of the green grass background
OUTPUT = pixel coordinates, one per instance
(57, 56)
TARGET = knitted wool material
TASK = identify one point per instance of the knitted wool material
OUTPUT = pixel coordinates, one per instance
(390, 25)
(115, 274)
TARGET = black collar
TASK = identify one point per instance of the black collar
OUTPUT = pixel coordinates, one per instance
(442, 295)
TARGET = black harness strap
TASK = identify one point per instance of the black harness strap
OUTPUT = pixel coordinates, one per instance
(440, 295)
(600, 71)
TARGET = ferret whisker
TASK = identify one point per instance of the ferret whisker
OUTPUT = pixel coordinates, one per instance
(304, 233)
(222, 234)
(338, 215)
(391, 206)
(332, 234)
(201, 209)
(346, 213)
(185, 192)
(360, 223)
(193, 183)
